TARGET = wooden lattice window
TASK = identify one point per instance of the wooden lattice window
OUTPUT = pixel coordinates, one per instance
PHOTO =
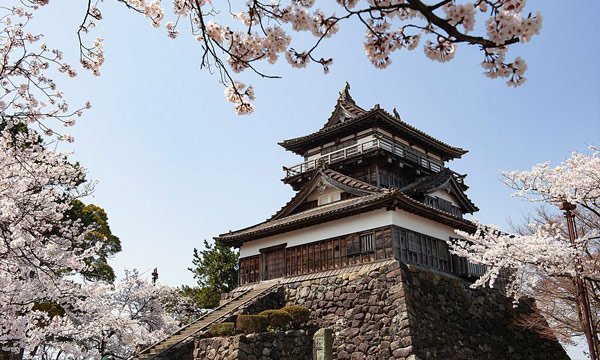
(274, 264)
(367, 243)
(249, 270)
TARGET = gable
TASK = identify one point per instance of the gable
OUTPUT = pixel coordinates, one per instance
(325, 183)
(445, 186)
(340, 114)
(451, 191)
(446, 194)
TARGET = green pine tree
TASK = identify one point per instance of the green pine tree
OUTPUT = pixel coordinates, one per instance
(216, 272)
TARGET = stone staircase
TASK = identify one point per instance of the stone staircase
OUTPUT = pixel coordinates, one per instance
(219, 314)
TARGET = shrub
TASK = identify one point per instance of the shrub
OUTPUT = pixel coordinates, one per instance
(223, 329)
(250, 324)
(299, 314)
(278, 319)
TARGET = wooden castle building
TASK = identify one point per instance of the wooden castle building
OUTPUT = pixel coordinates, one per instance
(372, 194)
(371, 187)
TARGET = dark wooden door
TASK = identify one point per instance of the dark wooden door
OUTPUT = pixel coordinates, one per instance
(274, 264)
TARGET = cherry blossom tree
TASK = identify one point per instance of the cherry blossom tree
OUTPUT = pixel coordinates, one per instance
(49, 310)
(36, 187)
(249, 35)
(120, 319)
(540, 260)
(556, 300)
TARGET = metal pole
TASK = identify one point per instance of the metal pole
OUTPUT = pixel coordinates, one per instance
(583, 305)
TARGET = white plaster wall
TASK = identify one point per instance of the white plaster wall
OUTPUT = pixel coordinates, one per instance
(356, 223)
(443, 194)
(423, 225)
(434, 157)
(418, 149)
(319, 232)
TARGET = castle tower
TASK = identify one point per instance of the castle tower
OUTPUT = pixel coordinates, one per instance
(371, 187)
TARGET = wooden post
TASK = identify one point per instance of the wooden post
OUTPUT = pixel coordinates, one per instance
(583, 305)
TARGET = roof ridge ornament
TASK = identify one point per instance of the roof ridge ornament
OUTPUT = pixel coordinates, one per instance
(396, 115)
(345, 94)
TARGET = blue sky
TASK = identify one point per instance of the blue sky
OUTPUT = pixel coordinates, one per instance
(175, 166)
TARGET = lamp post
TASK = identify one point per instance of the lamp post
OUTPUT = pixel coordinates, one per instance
(583, 303)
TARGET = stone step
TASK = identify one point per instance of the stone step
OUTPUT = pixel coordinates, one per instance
(203, 323)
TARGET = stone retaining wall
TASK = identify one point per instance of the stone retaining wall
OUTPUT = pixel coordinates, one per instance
(288, 345)
(366, 312)
(405, 312)
(393, 312)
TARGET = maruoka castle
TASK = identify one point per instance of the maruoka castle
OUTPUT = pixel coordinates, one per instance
(371, 187)
(363, 244)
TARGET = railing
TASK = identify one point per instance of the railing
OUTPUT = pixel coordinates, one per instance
(381, 143)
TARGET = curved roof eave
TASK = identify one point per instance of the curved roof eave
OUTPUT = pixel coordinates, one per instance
(297, 145)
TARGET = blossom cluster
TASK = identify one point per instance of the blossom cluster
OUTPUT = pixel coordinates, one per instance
(37, 244)
(125, 317)
(261, 31)
(442, 50)
(496, 66)
(29, 95)
(391, 25)
(153, 10)
(241, 96)
(509, 25)
(576, 180)
(461, 14)
(544, 250)
(381, 42)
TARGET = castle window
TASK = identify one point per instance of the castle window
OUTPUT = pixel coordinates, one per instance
(329, 198)
(431, 201)
(444, 205)
(366, 243)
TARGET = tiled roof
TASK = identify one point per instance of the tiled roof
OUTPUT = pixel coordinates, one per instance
(345, 183)
(430, 183)
(350, 181)
(313, 213)
(332, 211)
(447, 150)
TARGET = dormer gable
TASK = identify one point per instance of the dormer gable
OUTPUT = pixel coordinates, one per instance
(444, 191)
(325, 187)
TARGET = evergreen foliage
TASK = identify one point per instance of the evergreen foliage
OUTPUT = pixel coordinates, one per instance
(223, 329)
(300, 315)
(94, 218)
(251, 324)
(278, 320)
(216, 271)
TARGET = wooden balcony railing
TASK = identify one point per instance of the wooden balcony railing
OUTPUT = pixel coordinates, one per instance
(382, 143)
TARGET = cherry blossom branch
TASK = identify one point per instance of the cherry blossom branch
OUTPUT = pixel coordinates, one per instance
(442, 26)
